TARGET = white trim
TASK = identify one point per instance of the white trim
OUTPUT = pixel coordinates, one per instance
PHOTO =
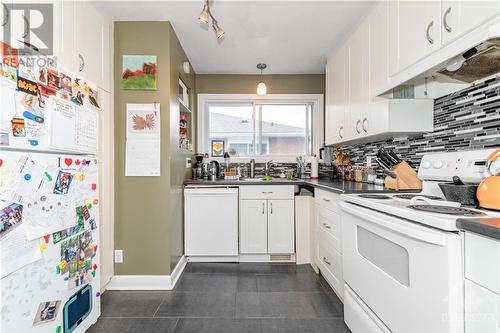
(318, 119)
(148, 282)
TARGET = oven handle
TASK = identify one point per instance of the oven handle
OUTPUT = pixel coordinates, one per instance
(393, 224)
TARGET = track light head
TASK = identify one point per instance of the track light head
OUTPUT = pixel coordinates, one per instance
(219, 32)
(204, 15)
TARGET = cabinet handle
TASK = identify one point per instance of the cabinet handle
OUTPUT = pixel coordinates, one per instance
(365, 125)
(357, 126)
(327, 200)
(326, 261)
(340, 132)
(445, 22)
(5, 14)
(263, 205)
(427, 33)
(270, 192)
(26, 27)
(271, 207)
(82, 62)
(326, 226)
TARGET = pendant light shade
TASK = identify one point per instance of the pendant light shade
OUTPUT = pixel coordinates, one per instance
(261, 87)
(206, 16)
(219, 32)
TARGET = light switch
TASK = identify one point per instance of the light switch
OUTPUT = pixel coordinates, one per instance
(188, 162)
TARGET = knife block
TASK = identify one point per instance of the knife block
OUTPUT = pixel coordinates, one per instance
(406, 178)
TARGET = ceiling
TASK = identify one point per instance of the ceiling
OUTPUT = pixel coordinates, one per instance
(291, 37)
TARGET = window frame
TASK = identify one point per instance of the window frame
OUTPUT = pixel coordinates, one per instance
(317, 115)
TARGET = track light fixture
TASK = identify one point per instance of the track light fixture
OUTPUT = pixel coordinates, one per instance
(206, 15)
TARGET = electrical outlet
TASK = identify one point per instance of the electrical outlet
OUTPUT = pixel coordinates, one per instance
(368, 161)
(119, 256)
(188, 162)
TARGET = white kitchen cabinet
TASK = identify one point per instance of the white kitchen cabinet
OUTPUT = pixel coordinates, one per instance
(460, 17)
(267, 219)
(482, 284)
(416, 31)
(253, 226)
(359, 88)
(328, 246)
(336, 97)
(378, 49)
(280, 227)
(89, 48)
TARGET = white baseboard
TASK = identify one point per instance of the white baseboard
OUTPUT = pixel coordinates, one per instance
(147, 282)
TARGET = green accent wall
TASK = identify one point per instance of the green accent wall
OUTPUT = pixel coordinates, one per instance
(247, 84)
(148, 210)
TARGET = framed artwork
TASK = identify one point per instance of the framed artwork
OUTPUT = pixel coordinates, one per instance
(217, 148)
(139, 72)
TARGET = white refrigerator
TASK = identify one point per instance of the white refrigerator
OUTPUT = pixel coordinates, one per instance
(49, 198)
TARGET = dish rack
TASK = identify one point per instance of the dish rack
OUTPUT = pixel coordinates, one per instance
(405, 178)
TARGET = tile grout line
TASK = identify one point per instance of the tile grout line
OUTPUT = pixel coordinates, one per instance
(158, 308)
(175, 326)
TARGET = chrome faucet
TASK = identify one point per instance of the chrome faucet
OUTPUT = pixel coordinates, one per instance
(252, 168)
(267, 167)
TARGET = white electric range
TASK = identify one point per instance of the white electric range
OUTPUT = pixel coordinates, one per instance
(403, 254)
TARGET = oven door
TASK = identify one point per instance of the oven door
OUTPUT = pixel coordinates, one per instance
(408, 275)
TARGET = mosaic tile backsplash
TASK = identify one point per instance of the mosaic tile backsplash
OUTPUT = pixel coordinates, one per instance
(465, 120)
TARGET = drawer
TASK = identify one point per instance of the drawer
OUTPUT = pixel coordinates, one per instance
(330, 263)
(328, 222)
(327, 199)
(482, 261)
(267, 192)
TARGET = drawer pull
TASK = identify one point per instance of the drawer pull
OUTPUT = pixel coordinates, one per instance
(327, 200)
(427, 33)
(326, 226)
(263, 208)
(445, 22)
(271, 207)
(326, 261)
(5, 14)
(82, 62)
(270, 192)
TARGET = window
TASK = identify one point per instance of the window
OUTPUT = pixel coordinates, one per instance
(270, 128)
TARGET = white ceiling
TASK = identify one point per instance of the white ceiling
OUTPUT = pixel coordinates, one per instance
(291, 37)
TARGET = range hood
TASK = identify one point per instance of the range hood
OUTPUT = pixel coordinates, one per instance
(474, 64)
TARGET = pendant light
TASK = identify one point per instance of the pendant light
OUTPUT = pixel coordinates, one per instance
(205, 17)
(261, 87)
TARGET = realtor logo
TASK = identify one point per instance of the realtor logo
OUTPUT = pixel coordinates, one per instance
(28, 27)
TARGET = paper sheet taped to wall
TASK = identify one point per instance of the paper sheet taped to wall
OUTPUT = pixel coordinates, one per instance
(143, 140)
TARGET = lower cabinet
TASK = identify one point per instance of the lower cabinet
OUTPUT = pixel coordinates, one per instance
(328, 242)
(267, 220)
(280, 226)
(253, 226)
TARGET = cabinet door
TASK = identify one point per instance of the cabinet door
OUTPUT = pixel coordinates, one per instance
(460, 17)
(482, 309)
(89, 38)
(66, 44)
(336, 87)
(358, 49)
(417, 27)
(378, 50)
(253, 226)
(280, 227)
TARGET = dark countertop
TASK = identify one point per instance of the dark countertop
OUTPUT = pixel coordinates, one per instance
(489, 227)
(324, 184)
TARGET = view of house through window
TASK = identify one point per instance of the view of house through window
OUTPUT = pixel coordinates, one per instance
(262, 129)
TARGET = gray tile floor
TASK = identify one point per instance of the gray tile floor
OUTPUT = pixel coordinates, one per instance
(212, 297)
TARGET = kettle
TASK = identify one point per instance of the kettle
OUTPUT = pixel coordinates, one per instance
(488, 192)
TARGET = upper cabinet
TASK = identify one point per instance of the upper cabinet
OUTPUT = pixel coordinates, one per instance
(84, 41)
(415, 31)
(460, 17)
(400, 42)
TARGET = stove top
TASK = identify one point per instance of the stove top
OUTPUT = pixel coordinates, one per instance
(447, 210)
(411, 196)
(375, 196)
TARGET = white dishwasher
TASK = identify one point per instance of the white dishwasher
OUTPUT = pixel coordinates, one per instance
(211, 222)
